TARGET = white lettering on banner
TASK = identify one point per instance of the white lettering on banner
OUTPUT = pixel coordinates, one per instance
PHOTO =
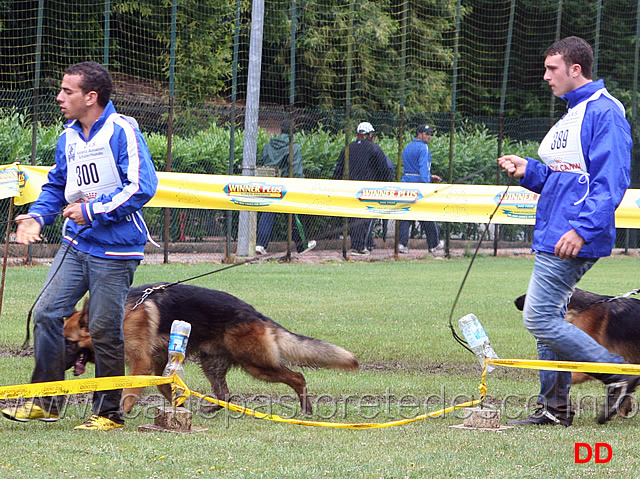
(258, 190)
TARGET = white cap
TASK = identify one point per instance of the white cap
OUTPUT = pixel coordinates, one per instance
(364, 128)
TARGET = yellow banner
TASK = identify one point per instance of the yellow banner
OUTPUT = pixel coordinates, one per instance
(406, 201)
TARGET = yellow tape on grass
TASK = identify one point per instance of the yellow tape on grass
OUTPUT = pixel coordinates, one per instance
(182, 392)
(572, 366)
(180, 385)
(80, 386)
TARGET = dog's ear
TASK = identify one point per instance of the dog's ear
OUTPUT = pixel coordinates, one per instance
(519, 302)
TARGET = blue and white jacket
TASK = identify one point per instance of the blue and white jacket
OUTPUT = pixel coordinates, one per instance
(585, 202)
(112, 175)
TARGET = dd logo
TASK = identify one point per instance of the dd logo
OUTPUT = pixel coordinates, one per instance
(584, 448)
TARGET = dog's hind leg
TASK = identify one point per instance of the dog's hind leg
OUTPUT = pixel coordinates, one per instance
(284, 375)
(215, 368)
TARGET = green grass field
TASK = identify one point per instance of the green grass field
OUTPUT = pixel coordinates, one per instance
(394, 317)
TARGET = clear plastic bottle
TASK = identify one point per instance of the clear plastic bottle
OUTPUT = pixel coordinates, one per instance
(180, 331)
(477, 339)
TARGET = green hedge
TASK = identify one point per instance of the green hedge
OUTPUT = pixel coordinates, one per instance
(207, 151)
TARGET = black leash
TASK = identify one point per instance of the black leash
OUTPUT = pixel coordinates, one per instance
(149, 291)
(461, 341)
(28, 337)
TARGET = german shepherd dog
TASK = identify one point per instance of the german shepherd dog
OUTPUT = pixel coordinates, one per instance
(614, 323)
(225, 332)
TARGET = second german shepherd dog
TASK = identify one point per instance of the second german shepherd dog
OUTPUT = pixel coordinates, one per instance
(225, 332)
(612, 322)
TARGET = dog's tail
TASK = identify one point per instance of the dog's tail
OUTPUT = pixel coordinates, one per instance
(305, 351)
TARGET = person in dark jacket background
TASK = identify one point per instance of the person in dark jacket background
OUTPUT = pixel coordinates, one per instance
(367, 162)
(276, 154)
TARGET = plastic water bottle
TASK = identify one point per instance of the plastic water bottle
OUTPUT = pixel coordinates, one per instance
(180, 331)
(477, 339)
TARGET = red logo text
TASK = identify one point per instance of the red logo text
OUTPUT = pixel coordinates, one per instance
(601, 452)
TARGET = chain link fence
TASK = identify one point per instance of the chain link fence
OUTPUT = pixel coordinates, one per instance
(187, 71)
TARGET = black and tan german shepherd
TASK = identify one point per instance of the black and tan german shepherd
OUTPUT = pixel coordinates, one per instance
(225, 332)
(614, 323)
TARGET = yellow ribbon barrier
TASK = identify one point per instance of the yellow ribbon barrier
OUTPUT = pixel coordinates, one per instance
(182, 392)
(572, 366)
(80, 386)
(300, 422)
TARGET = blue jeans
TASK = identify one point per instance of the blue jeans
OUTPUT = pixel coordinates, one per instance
(552, 283)
(108, 281)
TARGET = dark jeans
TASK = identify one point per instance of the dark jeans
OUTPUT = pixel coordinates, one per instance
(265, 226)
(360, 231)
(430, 228)
(108, 281)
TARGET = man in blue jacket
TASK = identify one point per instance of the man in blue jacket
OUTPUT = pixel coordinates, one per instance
(416, 161)
(584, 173)
(102, 177)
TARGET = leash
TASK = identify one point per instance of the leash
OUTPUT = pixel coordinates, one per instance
(457, 338)
(149, 291)
(611, 299)
(28, 337)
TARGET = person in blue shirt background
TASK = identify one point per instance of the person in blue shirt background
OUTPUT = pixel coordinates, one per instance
(416, 161)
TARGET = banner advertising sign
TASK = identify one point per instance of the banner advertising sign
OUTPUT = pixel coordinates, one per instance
(365, 199)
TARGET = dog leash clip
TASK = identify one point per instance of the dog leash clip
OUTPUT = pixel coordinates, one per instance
(630, 293)
(145, 294)
(624, 295)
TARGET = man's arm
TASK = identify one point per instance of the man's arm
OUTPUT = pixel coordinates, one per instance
(28, 229)
(515, 166)
(569, 245)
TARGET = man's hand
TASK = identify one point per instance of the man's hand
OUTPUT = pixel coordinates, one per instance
(514, 165)
(569, 245)
(28, 229)
(435, 179)
(74, 213)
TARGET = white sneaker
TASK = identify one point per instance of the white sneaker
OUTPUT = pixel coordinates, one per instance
(439, 246)
(310, 245)
(360, 252)
(403, 249)
(260, 250)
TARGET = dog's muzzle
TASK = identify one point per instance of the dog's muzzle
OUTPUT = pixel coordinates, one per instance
(76, 357)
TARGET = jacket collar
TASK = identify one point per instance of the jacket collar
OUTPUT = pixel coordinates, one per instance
(582, 93)
(108, 110)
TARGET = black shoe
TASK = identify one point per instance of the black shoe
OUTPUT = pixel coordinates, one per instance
(618, 396)
(541, 417)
